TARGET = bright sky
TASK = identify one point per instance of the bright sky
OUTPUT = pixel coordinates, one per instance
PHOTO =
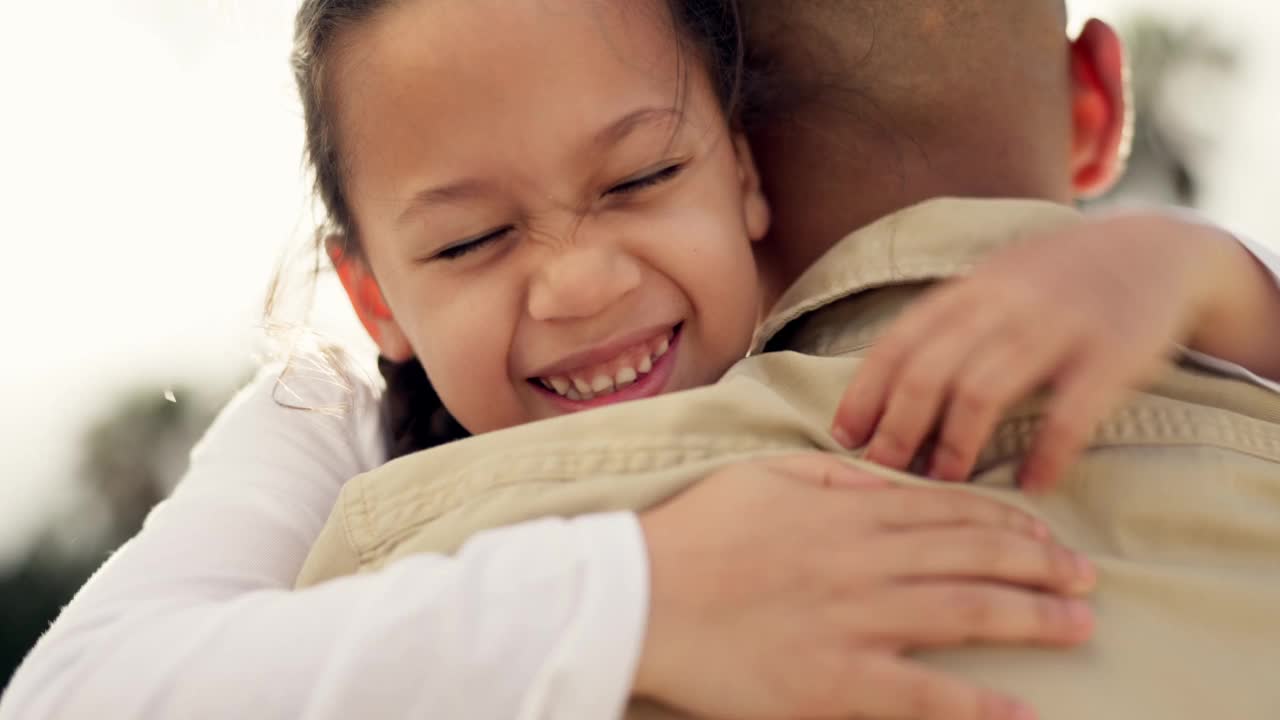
(150, 171)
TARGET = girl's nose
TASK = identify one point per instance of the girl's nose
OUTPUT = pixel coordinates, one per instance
(582, 281)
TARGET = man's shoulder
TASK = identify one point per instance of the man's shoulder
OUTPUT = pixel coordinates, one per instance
(935, 239)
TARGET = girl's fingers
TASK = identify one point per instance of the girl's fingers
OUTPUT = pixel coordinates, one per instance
(823, 470)
(864, 401)
(1078, 404)
(902, 508)
(883, 687)
(996, 377)
(918, 390)
(984, 553)
(951, 614)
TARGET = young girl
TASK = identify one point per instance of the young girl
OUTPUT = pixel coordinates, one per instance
(546, 207)
(513, 266)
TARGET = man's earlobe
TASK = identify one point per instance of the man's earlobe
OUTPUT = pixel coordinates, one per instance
(1101, 123)
(367, 301)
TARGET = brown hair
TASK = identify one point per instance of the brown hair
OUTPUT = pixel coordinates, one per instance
(709, 30)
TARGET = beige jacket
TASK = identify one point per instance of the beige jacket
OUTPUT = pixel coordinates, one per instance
(1178, 499)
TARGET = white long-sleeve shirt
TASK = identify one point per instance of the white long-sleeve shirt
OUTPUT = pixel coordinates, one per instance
(194, 617)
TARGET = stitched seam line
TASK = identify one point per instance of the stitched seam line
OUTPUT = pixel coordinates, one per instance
(422, 503)
(1145, 425)
(358, 521)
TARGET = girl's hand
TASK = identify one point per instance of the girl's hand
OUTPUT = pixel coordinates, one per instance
(792, 587)
(1089, 312)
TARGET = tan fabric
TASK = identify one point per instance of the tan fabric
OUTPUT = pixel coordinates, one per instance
(1178, 499)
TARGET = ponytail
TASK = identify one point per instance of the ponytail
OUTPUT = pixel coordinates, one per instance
(416, 419)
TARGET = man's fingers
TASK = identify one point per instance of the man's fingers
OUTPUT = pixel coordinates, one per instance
(984, 553)
(952, 614)
(902, 508)
(883, 687)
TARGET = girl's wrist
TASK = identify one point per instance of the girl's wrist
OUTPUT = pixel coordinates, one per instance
(1237, 301)
(1217, 256)
(651, 667)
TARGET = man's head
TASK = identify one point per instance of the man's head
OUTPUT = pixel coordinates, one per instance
(899, 101)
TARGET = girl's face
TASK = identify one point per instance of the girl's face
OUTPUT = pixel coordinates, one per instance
(557, 218)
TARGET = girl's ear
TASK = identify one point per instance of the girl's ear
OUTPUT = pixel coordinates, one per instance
(366, 299)
(755, 207)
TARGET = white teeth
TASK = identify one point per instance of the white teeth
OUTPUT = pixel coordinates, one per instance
(625, 378)
(580, 390)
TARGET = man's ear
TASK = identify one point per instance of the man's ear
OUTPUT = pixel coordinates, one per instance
(1101, 123)
(366, 299)
(755, 206)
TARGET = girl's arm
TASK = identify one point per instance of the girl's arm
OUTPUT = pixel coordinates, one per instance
(1241, 326)
(195, 616)
(1088, 311)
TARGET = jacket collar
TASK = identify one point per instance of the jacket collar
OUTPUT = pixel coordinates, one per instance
(933, 240)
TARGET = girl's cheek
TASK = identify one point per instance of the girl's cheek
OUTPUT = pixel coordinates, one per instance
(465, 340)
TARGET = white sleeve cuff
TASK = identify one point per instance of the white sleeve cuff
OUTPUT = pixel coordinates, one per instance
(590, 673)
(1228, 369)
(1269, 258)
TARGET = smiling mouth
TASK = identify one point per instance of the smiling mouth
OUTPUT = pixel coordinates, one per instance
(599, 381)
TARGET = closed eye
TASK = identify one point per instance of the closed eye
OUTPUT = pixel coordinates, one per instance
(465, 247)
(648, 181)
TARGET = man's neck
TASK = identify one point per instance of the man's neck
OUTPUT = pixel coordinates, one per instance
(825, 183)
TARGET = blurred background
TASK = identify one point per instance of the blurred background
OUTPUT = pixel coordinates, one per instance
(151, 182)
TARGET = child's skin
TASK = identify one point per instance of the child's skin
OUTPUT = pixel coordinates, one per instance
(597, 242)
(1088, 312)
(535, 272)
(1068, 146)
(810, 611)
(572, 222)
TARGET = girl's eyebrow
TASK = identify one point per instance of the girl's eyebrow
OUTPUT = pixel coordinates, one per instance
(616, 131)
(472, 188)
(452, 193)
